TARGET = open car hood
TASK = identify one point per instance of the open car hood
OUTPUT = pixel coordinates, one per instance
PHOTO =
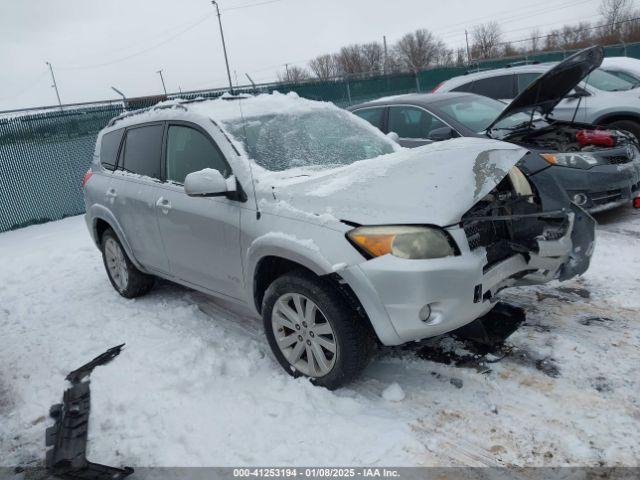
(549, 89)
(433, 184)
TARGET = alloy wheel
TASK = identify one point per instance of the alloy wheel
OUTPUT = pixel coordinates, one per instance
(304, 335)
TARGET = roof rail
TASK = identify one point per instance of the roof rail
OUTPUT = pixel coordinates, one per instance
(154, 108)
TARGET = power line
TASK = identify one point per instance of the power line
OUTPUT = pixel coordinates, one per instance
(28, 87)
(249, 5)
(122, 59)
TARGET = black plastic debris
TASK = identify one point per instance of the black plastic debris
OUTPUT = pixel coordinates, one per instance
(68, 436)
(489, 332)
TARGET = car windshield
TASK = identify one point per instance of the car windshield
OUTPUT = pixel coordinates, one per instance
(324, 138)
(477, 113)
(609, 83)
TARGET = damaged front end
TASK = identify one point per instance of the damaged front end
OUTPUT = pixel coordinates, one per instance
(554, 239)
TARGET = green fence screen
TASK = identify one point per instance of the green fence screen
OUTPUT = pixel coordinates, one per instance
(43, 156)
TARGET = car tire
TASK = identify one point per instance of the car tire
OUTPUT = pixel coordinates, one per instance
(127, 280)
(627, 125)
(336, 325)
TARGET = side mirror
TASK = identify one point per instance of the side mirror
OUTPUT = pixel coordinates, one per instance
(208, 183)
(442, 133)
(393, 136)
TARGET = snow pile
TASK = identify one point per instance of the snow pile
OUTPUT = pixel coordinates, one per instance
(393, 393)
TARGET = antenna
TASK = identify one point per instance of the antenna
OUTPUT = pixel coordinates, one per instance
(253, 182)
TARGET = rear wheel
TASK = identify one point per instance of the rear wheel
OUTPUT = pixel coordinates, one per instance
(123, 275)
(313, 332)
(628, 125)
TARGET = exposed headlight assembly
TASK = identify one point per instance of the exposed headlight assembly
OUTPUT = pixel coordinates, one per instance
(571, 159)
(409, 242)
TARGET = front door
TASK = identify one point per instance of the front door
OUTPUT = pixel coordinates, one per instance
(201, 235)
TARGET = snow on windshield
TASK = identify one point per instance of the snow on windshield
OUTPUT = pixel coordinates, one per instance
(288, 140)
(281, 132)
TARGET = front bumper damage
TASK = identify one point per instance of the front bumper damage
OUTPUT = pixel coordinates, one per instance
(456, 290)
(68, 436)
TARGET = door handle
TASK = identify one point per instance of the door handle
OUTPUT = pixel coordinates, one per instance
(164, 204)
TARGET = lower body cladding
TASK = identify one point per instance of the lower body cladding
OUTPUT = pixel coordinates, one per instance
(408, 300)
(601, 187)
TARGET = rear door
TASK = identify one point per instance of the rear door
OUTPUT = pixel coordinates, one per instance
(133, 193)
(201, 235)
(412, 124)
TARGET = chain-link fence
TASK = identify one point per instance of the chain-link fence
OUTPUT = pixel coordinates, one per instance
(44, 153)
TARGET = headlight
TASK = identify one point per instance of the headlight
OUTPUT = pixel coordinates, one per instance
(571, 159)
(402, 241)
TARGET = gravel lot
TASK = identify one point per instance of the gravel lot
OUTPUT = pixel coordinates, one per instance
(197, 386)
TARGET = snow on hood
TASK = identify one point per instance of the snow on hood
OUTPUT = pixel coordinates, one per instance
(433, 184)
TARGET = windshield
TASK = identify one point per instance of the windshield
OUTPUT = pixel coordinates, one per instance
(315, 138)
(477, 113)
(609, 83)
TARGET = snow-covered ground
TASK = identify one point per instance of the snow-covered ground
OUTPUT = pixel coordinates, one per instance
(196, 384)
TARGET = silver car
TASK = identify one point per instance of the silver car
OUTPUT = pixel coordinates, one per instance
(602, 99)
(321, 224)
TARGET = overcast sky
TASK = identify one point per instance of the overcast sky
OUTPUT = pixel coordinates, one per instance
(93, 44)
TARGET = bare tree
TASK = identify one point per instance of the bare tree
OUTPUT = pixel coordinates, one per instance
(293, 74)
(324, 66)
(372, 56)
(418, 50)
(461, 56)
(613, 12)
(350, 60)
(486, 39)
(534, 39)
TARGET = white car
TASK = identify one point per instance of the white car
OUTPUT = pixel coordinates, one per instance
(623, 67)
(601, 99)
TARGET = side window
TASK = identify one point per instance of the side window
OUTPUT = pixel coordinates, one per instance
(526, 79)
(412, 122)
(465, 87)
(500, 87)
(109, 148)
(189, 151)
(142, 149)
(371, 115)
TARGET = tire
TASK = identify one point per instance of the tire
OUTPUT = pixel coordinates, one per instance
(127, 280)
(334, 321)
(628, 125)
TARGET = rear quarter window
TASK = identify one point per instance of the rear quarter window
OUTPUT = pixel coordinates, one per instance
(373, 115)
(109, 148)
(500, 87)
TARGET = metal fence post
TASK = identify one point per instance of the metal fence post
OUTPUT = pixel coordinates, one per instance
(348, 89)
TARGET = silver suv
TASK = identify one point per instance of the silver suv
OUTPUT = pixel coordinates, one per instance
(321, 224)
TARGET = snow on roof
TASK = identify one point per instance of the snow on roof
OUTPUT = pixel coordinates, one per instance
(228, 107)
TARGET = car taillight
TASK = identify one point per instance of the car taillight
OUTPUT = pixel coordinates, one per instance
(603, 138)
(636, 202)
(437, 87)
(86, 177)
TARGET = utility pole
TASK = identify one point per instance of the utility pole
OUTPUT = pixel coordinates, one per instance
(466, 37)
(162, 80)
(286, 67)
(224, 46)
(55, 85)
(384, 65)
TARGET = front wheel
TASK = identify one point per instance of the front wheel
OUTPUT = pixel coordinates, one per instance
(313, 332)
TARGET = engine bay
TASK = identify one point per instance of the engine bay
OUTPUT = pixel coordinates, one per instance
(566, 137)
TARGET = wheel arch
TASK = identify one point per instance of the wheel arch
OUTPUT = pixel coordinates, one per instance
(617, 116)
(101, 219)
